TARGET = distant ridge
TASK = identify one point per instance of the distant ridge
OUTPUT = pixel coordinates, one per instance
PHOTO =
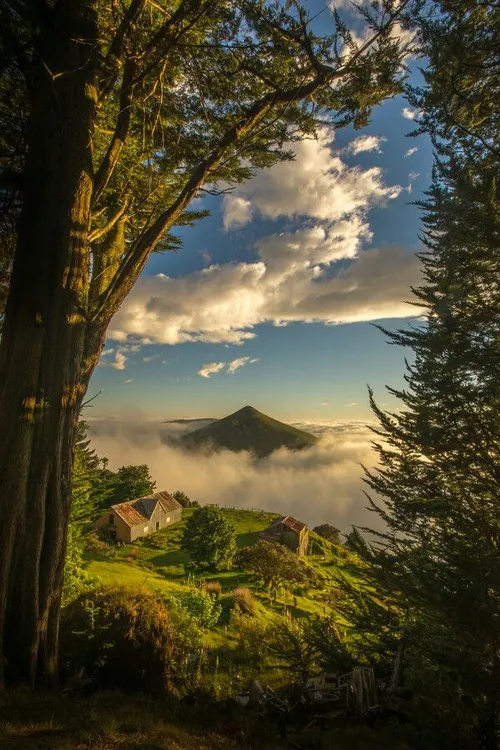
(188, 421)
(248, 430)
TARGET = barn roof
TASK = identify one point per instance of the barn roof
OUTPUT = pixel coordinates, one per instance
(292, 523)
(135, 512)
(274, 530)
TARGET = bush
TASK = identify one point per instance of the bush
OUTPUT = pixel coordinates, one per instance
(214, 588)
(201, 606)
(94, 544)
(243, 600)
(252, 635)
(126, 639)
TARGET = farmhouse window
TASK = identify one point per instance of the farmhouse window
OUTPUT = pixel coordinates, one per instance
(111, 519)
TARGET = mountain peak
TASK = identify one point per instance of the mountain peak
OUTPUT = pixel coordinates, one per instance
(248, 430)
(246, 412)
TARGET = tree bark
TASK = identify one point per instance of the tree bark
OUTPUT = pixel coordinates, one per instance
(48, 349)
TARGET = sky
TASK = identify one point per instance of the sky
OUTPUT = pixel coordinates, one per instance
(273, 301)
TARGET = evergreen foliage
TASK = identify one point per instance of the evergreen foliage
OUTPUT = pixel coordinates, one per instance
(209, 539)
(434, 575)
(129, 483)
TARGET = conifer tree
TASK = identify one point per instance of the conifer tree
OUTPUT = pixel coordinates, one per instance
(439, 473)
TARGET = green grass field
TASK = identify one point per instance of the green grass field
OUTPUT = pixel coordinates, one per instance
(158, 562)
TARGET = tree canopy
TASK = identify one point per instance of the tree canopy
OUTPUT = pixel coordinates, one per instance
(436, 569)
(209, 538)
(124, 113)
(275, 565)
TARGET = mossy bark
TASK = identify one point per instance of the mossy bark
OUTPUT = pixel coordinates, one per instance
(48, 349)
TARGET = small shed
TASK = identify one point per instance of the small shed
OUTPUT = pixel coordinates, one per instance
(133, 519)
(290, 532)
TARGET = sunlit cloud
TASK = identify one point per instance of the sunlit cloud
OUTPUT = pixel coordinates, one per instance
(240, 362)
(294, 277)
(411, 151)
(409, 114)
(210, 368)
(366, 143)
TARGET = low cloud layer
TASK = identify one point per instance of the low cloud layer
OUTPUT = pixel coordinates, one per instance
(322, 484)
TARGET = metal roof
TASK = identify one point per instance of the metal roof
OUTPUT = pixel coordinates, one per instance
(135, 512)
(274, 530)
(293, 524)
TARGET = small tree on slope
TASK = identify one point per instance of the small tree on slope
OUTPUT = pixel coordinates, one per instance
(209, 539)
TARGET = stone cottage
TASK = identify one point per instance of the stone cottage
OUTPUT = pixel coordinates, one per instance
(133, 519)
(289, 532)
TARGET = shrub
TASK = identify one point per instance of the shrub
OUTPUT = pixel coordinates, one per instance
(213, 587)
(126, 639)
(93, 543)
(201, 606)
(243, 600)
(252, 635)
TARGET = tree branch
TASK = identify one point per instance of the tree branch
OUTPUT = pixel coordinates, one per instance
(136, 259)
(110, 160)
(97, 233)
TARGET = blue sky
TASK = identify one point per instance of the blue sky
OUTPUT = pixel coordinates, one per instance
(271, 300)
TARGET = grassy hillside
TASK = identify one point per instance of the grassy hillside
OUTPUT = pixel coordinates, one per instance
(157, 562)
(249, 429)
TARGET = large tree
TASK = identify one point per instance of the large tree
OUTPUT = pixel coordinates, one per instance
(127, 112)
(439, 474)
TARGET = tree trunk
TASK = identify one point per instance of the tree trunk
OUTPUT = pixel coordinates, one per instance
(48, 349)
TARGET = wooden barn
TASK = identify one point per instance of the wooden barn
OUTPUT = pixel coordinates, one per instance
(289, 532)
(133, 519)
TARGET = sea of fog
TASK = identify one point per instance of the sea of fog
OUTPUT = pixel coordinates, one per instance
(318, 485)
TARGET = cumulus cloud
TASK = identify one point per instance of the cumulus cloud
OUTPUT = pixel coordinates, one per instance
(296, 275)
(411, 151)
(366, 143)
(291, 282)
(322, 484)
(317, 184)
(119, 361)
(210, 368)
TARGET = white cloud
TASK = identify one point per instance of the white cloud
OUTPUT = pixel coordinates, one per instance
(151, 358)
(411, 151)
(119, 361)
(210, 368)
(351, 403)
(366, 143)
(409, 114)
(129, 380)
(292, 281)
(235, 364)
(294, 276)
(237, 211)
(317, 184)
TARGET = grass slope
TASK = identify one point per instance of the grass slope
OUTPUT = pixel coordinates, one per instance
(158, 562)
(249, 429)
